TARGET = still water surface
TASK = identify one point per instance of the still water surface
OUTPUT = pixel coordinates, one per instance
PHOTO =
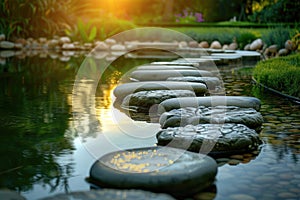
(49, 140)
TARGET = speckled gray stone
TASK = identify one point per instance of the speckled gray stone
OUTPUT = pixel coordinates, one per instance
(162, 75)
(125, 89)
(142, 101)
(110, 194)
(214, 139)
(183, 102)
(211, 82)
(218, 114)
(158, 169)
(166, 67)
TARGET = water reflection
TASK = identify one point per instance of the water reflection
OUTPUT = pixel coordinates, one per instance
(34, 117)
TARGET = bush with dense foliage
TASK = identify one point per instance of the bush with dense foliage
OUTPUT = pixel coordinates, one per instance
(281, 74)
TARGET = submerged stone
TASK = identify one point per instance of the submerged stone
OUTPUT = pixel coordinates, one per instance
(218, 114)
(109, 194)
(125, 89)
(142, 101)
(212, 139)
(183, 102)
(158, 169)
(162, 75)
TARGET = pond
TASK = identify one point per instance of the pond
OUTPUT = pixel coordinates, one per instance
(49, 140)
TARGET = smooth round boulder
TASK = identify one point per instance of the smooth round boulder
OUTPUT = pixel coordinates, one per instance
(211, 82)
(162, 75)
(215, 115)
(142, 101)
(183, 102)
(211, 139)
(158, 169)
(125, 89)
(109, 194)
(166, 67)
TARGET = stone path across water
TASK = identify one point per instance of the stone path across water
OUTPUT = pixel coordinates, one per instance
(207, 128)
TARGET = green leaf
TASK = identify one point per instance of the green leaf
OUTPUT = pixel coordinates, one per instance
(93, 34)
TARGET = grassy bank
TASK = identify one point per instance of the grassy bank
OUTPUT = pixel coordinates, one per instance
(274, 35)
(281, 74)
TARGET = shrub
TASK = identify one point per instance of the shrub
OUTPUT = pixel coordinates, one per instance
(281, 74)
(277, 36)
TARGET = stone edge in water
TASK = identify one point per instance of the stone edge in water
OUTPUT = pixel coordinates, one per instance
(179, 185)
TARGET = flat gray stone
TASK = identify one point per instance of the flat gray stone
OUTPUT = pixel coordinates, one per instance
(183, 102)
(109, 194)
(211, 82)
(213, 139)
(215, 115)
(125, 89)
(158, 169)
(142, 101)
(162, 75)
(166, 67)
(174, 63)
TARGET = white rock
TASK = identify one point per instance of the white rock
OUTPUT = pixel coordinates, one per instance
(233, 46)
(101, 46)
(247, 47)
(110, 41)
(118, 47)
(204, 44)
(67, 46)
(193, 44)
(225, 47)
(215, 45)
(42, 40)
(6, 45)
(18, 45)
(2, 37)
(256, 45)
(283, 52)
(183, 44)
(289, 45)
(65, 39)
(273, 48)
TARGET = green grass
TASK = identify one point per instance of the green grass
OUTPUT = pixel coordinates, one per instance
(225, 35)
(281, 74)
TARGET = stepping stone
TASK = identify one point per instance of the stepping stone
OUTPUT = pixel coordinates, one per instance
(212, 139)
(207, 60)
(174, 63)
(183, 102)
(125, 89)
(214, 115)
(157, 169)
(166, 67)
(249, 56)
(142, 101)
(211, 82)
(162, 75)
(108, 194)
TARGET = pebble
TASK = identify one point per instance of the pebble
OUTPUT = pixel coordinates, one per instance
(241, 197)
(287, 195)
(234, 162)
(238, 157)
